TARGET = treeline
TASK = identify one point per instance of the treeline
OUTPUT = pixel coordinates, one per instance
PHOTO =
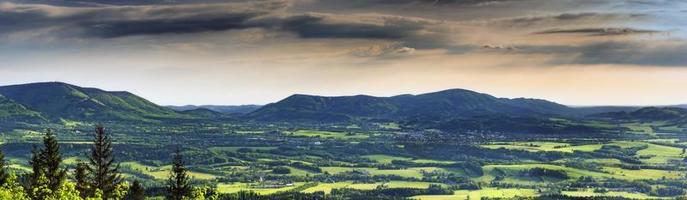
(98, 178)
(379, 193)
(544, 172)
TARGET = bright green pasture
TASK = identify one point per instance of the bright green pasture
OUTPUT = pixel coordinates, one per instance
(162, 172)
(643, 173)
(386, 159)
(591, 193)
(237, 187)
(299, 172)
(543, 146)
(612, 172)
(661, 154)
(327, 187)
(640, 128)
(234, 149)
(329, 134)
(414, 172)
(479, 194)
(20, 167)
(428, 161)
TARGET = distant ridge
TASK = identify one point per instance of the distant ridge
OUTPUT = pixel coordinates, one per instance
(14, 112)
(447, 103)
(226, 109)
(648, 114)
(52, 101)
(57, 100)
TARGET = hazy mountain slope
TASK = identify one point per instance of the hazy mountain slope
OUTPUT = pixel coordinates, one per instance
(12, 111)
(240, 109)
(448, 103)
(204, 113)
(327, 109)
(60, 100)
(648, 114)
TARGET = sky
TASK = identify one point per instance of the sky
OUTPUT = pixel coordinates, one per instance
(230, 52)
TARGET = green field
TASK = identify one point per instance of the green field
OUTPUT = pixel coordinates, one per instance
(482, 193)
(386, 159)
(162, 172)
(327, 187)
(544, 146)
(236, 187)
(234, 149)
(661, 154)
(610, 172)
(330, 134)
(415, 172)
(591, 193)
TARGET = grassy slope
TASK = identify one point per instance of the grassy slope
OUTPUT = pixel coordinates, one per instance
(162, 172)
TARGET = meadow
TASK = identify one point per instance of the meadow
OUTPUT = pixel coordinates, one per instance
(346, 159)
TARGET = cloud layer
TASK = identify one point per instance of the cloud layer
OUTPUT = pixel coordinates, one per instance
(336, 38)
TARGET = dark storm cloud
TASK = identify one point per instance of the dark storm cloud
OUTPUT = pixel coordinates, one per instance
(121, 21)
(121, 28)
(666, 54)
(599, 31)
(408, 33)
(310, 26)
(365, 3)
(568, 18)
(119, 2)
(635, 53)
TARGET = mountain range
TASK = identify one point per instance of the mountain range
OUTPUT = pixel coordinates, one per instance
(240, 109)
(12, 111)
(55, 100)
(648, 114)
(443, 104)
(51, 101)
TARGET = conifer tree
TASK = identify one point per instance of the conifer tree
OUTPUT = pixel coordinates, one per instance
(136, 191)
(81, 179)
(102, 168)
(3, 170)
(51, 158)
(36, 171)
(47, 176)
(178, 186)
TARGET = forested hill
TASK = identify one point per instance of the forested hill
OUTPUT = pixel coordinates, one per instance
(55, 100)
(52, 101)
(648, 114)
(228, 109)
(12, 111)
(447, 103)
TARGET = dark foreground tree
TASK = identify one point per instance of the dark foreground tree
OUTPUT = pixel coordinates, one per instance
(178, 183)
(136, 191)
(52, 160)
(36, 173)
(3, 170)
(47, 176)
(81, 178)
(101, 166)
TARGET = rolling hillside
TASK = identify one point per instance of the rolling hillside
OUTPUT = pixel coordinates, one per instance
(56, 100)
(447, 103)
(648, 114)
(12, 111)
(51, 101)
(241, 109)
